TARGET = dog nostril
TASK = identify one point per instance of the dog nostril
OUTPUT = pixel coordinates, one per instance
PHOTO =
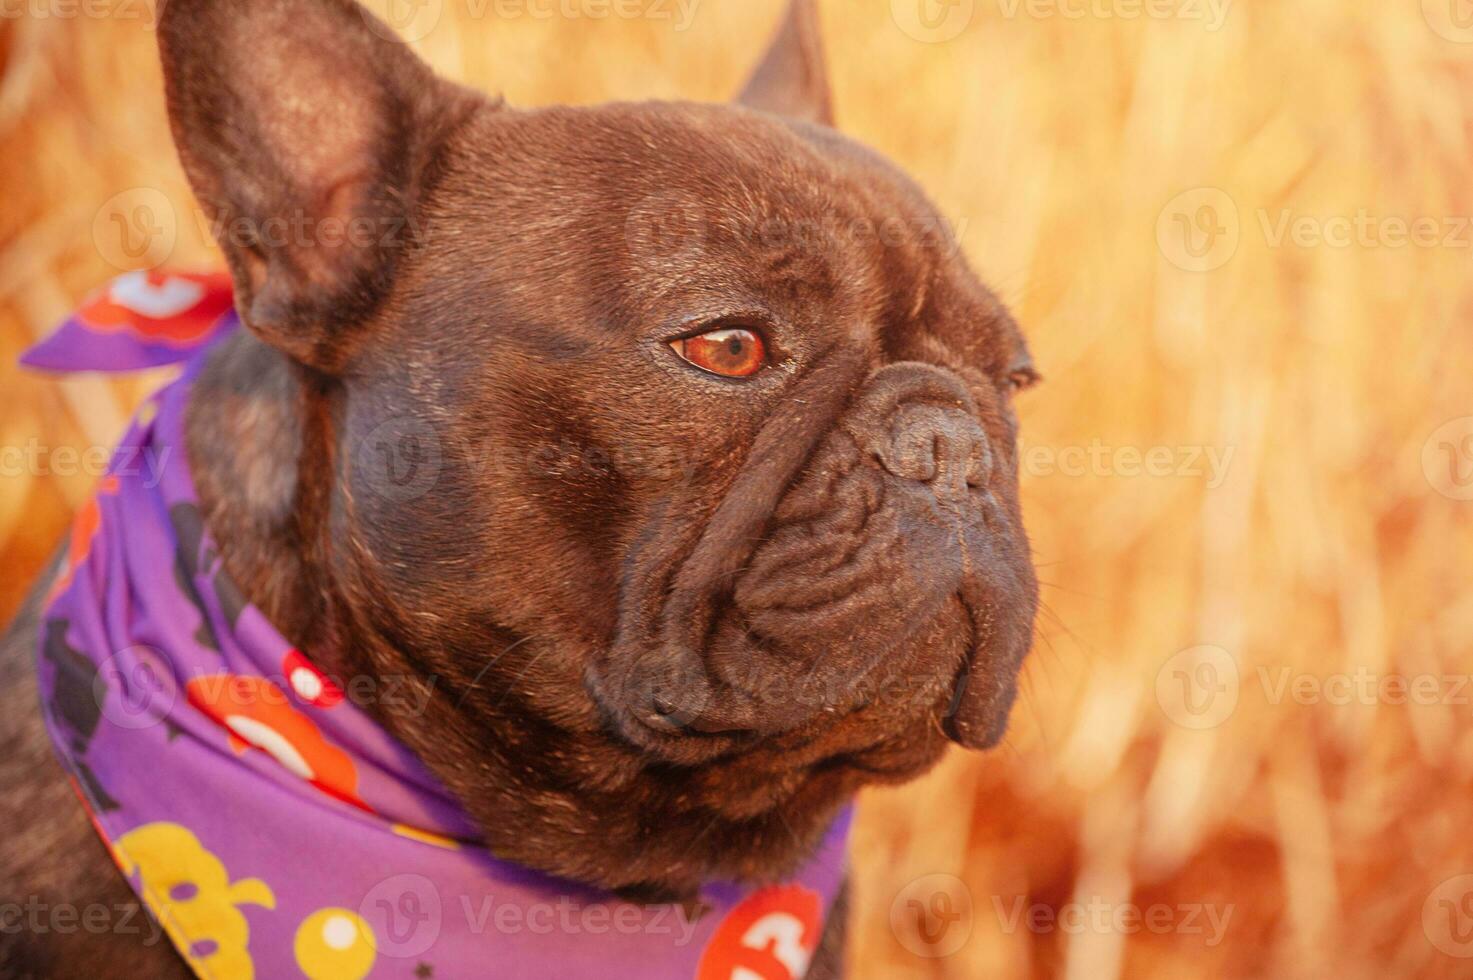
(913, 453)
(979, 462)
(940, 446)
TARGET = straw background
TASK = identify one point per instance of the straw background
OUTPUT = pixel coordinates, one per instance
(1329, 545)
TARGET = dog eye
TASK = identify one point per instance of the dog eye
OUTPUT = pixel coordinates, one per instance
(731, 352)
(1023, 379)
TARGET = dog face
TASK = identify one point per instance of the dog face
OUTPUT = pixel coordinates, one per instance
(669, 437)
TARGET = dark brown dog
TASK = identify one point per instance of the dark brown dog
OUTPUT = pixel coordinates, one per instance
(646, 578)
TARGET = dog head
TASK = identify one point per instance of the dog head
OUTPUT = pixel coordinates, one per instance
(672, 438)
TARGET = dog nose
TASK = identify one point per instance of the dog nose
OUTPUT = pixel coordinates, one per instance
(919, 422)
(941, 446)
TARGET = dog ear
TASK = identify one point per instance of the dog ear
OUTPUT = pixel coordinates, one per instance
(792, 78)
(305, 128)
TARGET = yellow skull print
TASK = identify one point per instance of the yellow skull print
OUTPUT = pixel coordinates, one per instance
(191, 893)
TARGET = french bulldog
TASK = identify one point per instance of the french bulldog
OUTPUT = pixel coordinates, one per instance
(723, 518)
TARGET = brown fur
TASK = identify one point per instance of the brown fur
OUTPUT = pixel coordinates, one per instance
(667, 623)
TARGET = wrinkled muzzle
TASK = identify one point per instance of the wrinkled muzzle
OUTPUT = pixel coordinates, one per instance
(878, 538)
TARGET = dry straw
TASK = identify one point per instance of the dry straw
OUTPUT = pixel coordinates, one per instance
(1201, 213)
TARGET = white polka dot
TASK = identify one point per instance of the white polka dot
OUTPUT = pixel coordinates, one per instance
(339, 932)
(306, 683)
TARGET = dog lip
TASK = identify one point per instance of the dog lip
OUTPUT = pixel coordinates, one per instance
(994, 727)
(984, 729)
(676, 744)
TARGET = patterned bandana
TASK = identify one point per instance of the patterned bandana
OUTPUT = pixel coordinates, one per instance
(272, 827)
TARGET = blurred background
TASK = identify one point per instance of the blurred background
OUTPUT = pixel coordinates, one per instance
(1238, 234)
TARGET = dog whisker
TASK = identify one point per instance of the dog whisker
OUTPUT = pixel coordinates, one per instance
(489, 664)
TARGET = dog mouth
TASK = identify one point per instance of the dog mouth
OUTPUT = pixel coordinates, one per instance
(948, 676)
(885, 588)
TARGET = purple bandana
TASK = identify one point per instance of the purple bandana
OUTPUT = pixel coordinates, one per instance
(272, 827)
